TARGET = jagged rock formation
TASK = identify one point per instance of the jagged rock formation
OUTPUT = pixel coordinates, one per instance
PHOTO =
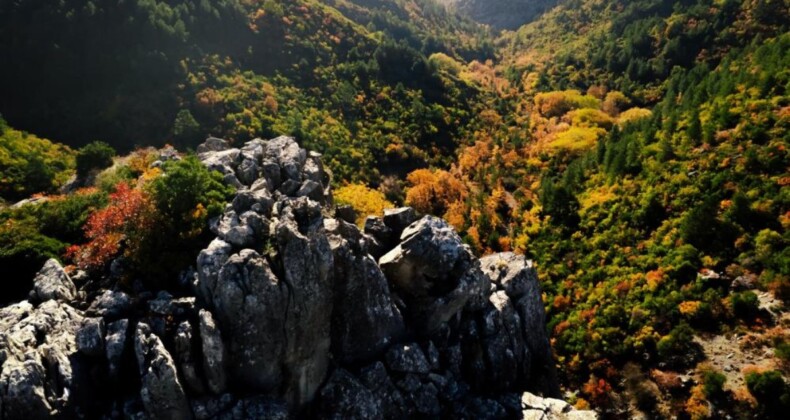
(291, 315)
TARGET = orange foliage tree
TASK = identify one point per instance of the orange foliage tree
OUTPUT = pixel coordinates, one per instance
(118, 229)
(598, 391)
(434, 191)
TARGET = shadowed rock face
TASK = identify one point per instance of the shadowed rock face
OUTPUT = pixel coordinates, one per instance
(290, 314)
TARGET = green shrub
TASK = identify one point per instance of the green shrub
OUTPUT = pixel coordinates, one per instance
(677, 345)
(63, 218)
(107, 180)
(31, 234)
(713, 383)
(186, 185)
(186, 196)
(745, 305)
(782, 351)
(96, 155)
(770, 390)
(23, 250)
(30, 165)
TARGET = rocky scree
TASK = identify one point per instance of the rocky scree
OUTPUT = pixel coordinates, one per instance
(292, 312)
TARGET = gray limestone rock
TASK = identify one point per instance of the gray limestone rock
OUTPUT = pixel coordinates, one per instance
(433, 272)
(161, 391)
(52, 282)
(214, 356)
(365, 320)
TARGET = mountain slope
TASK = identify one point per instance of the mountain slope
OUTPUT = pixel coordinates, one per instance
(642, 194)
(632, 46)
(79, 71)
(501, 14)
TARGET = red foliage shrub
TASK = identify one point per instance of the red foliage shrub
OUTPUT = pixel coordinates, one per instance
(118, 228)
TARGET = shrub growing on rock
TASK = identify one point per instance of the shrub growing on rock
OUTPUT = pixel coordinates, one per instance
(187, 186)
(93, 156)
(23, 250)
(186, 196)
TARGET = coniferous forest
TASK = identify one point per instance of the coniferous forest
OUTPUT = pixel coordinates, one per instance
(637, 151)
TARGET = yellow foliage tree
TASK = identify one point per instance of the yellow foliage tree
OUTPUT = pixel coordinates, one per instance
(558, 103)
(633, 114)
(364, 200)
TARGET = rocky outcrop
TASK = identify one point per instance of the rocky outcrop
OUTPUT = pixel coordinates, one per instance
(434, 273)
(160, 390)
(40, 365)
(274, 309)
(516, 311)
(537, 408)
(290, 311)
(365, 319)
(52, 282)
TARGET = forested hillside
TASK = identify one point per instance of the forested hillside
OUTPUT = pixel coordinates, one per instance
(637, 151)
(641, 158)
(341, 75)
(501, 14)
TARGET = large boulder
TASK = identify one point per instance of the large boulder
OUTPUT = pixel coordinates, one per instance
(214, 356)
(539, 408)
(496, 357)
(90, 337)
(52, 282)
(40, 369)
(407, 358)
(185, 357)
(284, 152)
(433, 272)
(306, 261)
(213, 144)
(209, 263)
(250, 304)
(399, 219)
(275, 319)
(345, 397)
(115, 347)
(111, 305)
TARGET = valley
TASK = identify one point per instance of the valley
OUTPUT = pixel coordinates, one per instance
(636, 152)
